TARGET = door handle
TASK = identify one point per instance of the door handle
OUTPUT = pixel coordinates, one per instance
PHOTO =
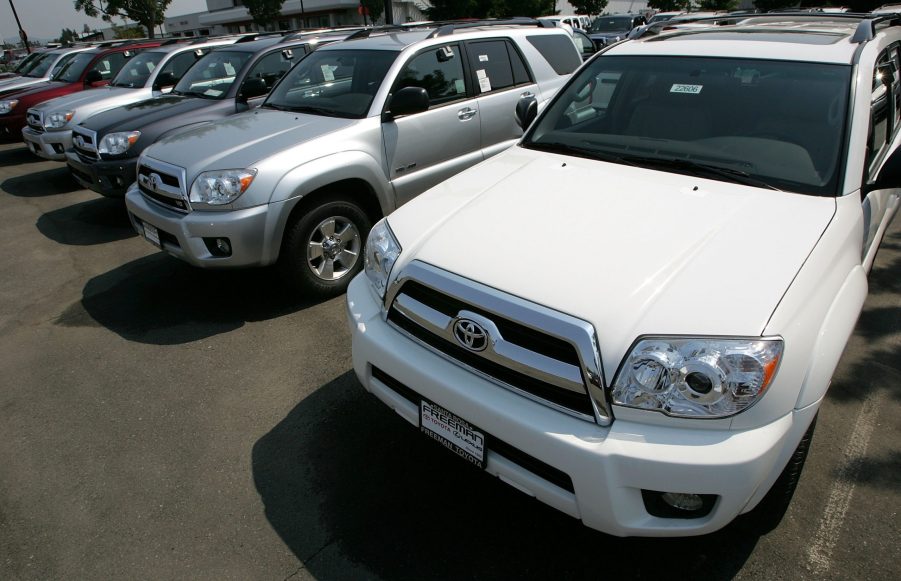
(527, 94)
(466, 113)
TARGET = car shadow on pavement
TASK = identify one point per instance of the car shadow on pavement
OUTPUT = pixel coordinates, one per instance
(49, 182)
(87, 223)
(17, 156)
(160, 300)
(355, 492)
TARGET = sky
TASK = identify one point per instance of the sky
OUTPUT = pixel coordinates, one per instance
(44, 19)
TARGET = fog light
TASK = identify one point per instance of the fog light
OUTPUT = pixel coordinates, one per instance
(218, 247)
(689, 502)
(223, 246)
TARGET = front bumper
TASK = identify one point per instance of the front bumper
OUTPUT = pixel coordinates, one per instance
(189, 236)
(50, 145)
(11, 127)
(108, 178)
(608, 466)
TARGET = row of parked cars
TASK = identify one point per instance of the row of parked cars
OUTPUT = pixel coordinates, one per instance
(626, 286)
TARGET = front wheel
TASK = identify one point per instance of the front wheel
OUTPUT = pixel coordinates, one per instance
(322, 249)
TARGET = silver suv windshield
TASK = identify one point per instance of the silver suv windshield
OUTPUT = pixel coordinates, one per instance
(213, 75)
(138, 70)
(335, 83)
(39, 66)
(765, 123)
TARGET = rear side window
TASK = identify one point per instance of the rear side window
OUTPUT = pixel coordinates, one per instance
(179, 65)
(558, 50)
(497, 65)
(109, 65)
(271, 67)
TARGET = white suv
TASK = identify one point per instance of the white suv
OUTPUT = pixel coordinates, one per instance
(634, 314)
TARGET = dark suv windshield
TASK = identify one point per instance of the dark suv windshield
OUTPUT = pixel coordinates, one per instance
(336, 83)
(611, 24)
(766, 123)
(138, 70)
(39, 66)
(73, 69)
(213, 75)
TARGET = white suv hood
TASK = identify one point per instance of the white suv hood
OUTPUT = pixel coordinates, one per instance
(632, 251)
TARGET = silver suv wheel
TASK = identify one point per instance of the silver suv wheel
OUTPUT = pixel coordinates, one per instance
(333, 248)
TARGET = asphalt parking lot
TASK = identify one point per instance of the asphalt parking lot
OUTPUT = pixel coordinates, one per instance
(161, 421)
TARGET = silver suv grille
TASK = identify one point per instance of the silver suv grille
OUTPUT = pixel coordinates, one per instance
(163, 184)
(35, 120)
(84, 142)
(545, 355)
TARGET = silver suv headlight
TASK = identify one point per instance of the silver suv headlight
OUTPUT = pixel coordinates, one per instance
(7, 106)
(118, 143)
(696, 377)
(381, 252)
(58, 119)
(217, 188)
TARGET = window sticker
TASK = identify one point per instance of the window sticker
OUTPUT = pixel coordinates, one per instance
(483, 58)
(459, 86)
(484, 81)
(328, 73)
(229, 69)
(687, 89)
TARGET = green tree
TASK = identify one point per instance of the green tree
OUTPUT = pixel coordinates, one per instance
(668, 5)
(375, 7)
(147, 13)
(67, 35)
(714, 5)
(589, 6)
(264, 11)
(127, 32)
(452, 9)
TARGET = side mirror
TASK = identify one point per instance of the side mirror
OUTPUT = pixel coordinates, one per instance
(407, 101)
(526, 111)
(253, 87)
(889, 176)
(164, 80)
(92, 77)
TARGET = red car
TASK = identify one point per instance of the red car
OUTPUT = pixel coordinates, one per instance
(92, 68)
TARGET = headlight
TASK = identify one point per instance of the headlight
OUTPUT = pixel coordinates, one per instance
(382, 251)
(7, 106)
(221, 187)
(58, 119)
(696, 377)
(118, 143)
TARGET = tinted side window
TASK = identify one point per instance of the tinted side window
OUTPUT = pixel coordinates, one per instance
(521, 74)
(270, 68)
(558, 50)
(179, 65)
(109, 65)
(491, 64)
(880, 115)
(438, 71)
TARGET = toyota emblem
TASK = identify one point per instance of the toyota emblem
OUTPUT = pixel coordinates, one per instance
(79, 141)
(155, 181)
(470, 334)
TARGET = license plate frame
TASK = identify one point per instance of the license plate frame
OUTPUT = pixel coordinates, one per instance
(459, 436)
(152, 234)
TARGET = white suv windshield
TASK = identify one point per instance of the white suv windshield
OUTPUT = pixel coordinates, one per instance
(336, 83)
(767, 123)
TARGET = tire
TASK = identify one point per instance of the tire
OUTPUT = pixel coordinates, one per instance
(767, 515)
(322, 249)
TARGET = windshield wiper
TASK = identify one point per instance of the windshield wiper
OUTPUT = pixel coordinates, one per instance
(268, 105)
(703, 169)
(314, 110)
(559, 147)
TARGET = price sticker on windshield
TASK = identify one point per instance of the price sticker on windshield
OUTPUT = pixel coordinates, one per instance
(686, 89)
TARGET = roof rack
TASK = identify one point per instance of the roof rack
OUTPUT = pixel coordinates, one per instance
(866, 29)
(447, 28)
(305, 32)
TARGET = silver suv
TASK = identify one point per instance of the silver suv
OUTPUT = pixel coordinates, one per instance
(353, 131)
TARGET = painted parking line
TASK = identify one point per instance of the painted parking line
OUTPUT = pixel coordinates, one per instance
(819, 556)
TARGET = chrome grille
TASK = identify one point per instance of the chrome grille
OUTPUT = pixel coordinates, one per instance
(163, 184)
(35, 120)
(84, 142)
(542, 354)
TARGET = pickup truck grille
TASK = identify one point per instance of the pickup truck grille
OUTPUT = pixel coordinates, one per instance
(542, 354)
(84, 142)
(35, 120)
(163, 184)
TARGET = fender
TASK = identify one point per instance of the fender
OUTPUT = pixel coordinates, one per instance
(833, 336)
(316, 174)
